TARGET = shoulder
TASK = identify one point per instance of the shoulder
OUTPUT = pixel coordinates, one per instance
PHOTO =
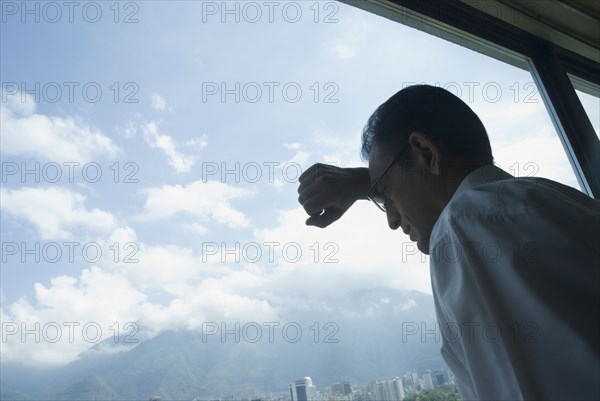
(517, 201)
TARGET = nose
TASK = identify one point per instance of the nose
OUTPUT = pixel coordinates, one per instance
(393, 218)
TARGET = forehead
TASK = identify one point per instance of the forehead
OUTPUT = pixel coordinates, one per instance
(379, 160)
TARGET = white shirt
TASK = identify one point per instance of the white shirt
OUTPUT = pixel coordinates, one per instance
(515, 276)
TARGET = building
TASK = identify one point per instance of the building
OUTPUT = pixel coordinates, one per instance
(302, 390)
(342, 388)
(427, 382)
(439, 378)
(389, 390)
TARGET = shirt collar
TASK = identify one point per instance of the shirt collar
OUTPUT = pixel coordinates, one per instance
(482, 175)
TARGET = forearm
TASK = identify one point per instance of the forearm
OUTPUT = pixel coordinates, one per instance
(362, 182)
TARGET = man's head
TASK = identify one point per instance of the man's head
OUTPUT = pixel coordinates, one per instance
(430, 140)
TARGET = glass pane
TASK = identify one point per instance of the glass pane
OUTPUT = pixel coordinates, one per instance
(591, 105)
(152, 241)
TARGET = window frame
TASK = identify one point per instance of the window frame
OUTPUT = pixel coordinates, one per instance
(549, 64)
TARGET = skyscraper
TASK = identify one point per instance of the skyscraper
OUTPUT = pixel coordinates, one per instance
(342, 388)
(302, 390)
(427, 382)
(439, 377)
(389, 390)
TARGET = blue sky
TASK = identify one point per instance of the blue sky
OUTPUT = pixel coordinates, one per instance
(306, 88)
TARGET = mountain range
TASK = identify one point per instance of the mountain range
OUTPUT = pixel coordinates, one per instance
(362, 336)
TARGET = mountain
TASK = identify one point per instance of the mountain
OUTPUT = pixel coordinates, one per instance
(356, 338)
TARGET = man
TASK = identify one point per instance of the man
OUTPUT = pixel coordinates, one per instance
(514, 262)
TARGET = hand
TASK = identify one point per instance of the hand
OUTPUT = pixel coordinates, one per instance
(326, 192)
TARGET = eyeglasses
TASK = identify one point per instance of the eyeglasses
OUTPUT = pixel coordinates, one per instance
(373, 194)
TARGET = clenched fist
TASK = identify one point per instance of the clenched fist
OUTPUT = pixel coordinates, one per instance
(326, 192)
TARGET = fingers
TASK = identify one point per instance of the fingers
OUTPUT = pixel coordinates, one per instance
(323, 220)
(313, 194)
(308, 177)
(310, 172)
(308, 192)
(317, 203)
(319, 196)
(319, 172)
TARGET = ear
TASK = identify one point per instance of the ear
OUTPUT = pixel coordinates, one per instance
(427, 151)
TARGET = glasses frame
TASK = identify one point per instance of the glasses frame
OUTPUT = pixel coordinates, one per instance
(372, 190)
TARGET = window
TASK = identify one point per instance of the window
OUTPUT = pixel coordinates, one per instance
(150, 156)
(591, 104)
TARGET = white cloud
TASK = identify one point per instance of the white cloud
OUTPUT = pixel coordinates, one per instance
(352, 39)
(408, 305)
(517, 158)
(172, 287)
(159, 103)
(301, 158)
(69, 307)
(337, 149)
(196, 228)
(167, 268)
(20, 104)
(197, 144)
(198, 292)
(51, 138)
(291, 169)
(54, 211)
(128, 130)
(357, 251)
(182, 163)
(342, 50)
(292, 146)
(206, 200)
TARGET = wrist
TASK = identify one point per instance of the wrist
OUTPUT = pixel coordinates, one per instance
(361, 182)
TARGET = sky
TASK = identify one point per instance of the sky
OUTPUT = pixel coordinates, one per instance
(151, 149)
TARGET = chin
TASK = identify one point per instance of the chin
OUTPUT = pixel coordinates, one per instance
(424, 248)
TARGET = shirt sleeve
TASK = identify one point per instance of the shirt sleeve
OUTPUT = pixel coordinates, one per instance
(515, 275)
